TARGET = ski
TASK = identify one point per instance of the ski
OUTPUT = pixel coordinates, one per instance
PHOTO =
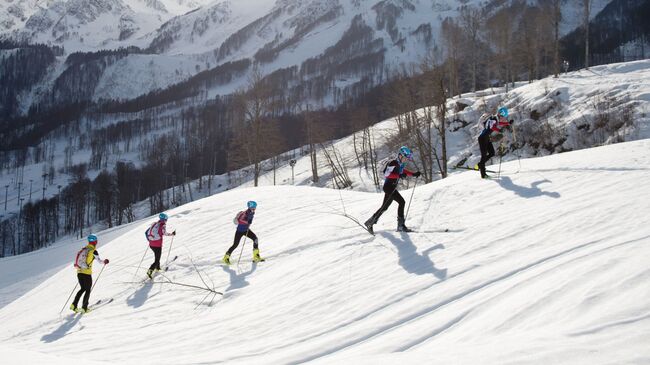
(155, 273)
(170, 261)
(472, 168)
(98, 304)
(358, 223)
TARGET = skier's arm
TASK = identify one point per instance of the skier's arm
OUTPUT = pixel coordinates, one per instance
(96, 257)
(408, 172)
(164, 231)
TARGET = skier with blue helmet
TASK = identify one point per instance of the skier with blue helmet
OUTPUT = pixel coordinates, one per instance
(493, 123)
(84, 265)
(243, 220)
(155, 234)
(393, 171)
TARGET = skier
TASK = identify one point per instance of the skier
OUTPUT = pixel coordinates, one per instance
(243, 220)
(84, 265)
(393, 171)
(493, 123)
(155, 235)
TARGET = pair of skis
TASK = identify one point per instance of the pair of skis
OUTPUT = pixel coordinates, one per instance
(93, 307)
(155, 273)
(472, 168)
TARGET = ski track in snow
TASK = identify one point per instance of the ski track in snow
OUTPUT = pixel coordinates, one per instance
(546, 264)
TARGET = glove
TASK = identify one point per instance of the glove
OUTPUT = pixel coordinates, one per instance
(105, 261)
(403, 174)
(417, 174)
(511, 121)
(174, 233)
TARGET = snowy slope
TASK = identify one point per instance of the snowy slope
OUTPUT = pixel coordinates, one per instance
(546, 265)
(569, 104)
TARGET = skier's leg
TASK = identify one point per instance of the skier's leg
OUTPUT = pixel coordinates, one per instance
(388, 193)
(153, 265)
(235, 243)
(253, 238)
(490, 150)
(483, 142)
(157, 251)
(75, 302)
(397, 197)
(86, 282)
(256, 250)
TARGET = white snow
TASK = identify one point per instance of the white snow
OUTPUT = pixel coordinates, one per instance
(547, 264)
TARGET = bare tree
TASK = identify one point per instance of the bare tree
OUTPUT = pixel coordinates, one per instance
(254, 105)
(471, 20)
(311, 142)
(556, 17)
(500, 31)
(452, 36)
(586, 5)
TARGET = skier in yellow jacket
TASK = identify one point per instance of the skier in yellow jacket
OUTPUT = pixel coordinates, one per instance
(84, 265)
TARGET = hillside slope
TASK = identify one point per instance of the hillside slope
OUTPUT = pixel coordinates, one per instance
(546, 264)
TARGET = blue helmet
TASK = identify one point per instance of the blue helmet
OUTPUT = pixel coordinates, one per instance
(503, 111)
(406, 152)
(163, 216)
(92, 238)
(251, 204)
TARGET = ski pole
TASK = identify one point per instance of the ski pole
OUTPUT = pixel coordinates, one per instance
(100, 274)
(140, 264)
(70, 296)
(514, 136)
(409, 206)
(242, 247)
(500, 157)
(170, 250)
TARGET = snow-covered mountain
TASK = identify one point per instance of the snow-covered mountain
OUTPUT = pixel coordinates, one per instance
(350, 44)
(547, 264)
(89, 25)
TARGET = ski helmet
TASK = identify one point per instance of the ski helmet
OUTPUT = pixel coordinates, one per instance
(503, 111)
(162, 216)
(92, 239)
(251, 204)
(406, 152)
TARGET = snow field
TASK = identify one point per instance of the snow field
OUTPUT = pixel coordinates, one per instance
(547, 264)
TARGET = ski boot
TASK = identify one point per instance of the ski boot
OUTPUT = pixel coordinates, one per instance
(256, 256)
(226, 259)
(401, 227)
(369, 223)
(150, 273)
(481, 168)
(84, 310)
(74, 308)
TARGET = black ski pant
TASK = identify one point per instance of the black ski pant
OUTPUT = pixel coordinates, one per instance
(85, 282)
(157, 251)
(238, 236)
(487, 151)
(390, 195)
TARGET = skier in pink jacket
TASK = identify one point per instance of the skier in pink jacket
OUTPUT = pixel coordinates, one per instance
(155, 235)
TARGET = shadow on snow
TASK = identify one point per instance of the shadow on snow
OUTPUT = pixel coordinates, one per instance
(527, 192)
(63, 329)
(411, 260)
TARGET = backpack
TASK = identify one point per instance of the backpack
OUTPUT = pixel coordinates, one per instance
(81, 260)
(236, 219)
(482, 119)
(152, 232)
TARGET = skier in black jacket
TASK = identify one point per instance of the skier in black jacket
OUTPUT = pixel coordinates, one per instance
(393, 172)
